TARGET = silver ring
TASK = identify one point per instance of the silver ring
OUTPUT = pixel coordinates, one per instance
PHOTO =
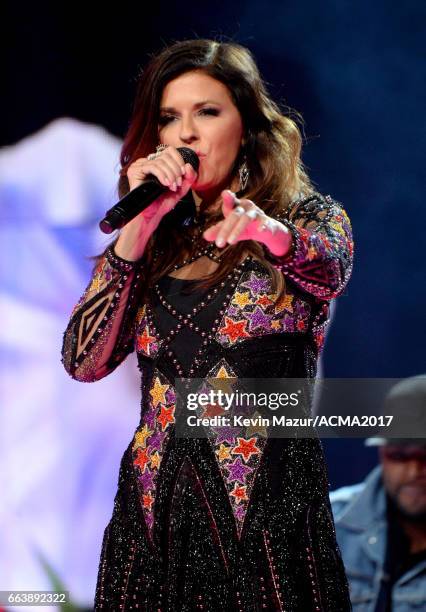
(239, 210)
(160, 148)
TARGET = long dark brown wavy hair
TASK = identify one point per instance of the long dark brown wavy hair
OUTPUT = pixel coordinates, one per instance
(273, 144)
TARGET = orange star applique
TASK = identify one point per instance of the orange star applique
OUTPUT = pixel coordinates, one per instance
(240, 493)
(246, 448)
(234, 329)
(148, 500)
(264, 300)
(223, 452)
(144, 341)
(166, 416)
(141, 458)
(284, 303)
(212, 410)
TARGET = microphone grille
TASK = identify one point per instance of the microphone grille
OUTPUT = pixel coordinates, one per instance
(190, 157)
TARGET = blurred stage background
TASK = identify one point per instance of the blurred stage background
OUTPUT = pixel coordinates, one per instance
(354, 71)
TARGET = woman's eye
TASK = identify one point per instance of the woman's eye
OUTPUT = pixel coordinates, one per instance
(164, 119)
(209, 111)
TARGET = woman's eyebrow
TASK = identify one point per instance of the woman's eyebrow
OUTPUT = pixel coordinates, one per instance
(170, 109)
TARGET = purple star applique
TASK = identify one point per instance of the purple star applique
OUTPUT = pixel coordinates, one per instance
(170, 396)
(258, 318)
(155, 442)
(240, 512)
(238, 471)
(146, 480)
(149, 417)
(225, 434)
(257, 284)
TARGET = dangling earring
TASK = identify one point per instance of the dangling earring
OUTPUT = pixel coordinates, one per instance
(244, 173)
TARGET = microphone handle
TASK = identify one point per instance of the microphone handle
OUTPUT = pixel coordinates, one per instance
(133, 203)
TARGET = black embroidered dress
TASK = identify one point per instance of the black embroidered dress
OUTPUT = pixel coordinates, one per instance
(234, 522)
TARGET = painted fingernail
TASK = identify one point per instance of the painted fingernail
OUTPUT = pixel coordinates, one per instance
(174, 187)
(166, 180)
(182, 169)
(220, 242)
(231, 239)
(179, 181)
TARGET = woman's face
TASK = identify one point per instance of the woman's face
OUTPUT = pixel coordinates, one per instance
(197, 111)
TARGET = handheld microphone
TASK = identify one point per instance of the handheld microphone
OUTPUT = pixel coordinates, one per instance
(139, 198)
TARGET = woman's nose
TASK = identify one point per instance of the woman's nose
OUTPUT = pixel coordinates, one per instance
(188, 130)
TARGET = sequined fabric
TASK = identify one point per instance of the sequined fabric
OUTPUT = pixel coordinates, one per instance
(234, 521)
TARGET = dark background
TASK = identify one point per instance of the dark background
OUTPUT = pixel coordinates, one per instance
(355, 72)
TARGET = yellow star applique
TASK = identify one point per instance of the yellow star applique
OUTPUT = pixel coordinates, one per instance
(276, 324)
(158, 392)
(256, 429)
(226, 382)
(141, 313)
(242, 299)
(96, 284)
(155, 460)
(223, 452)
(141, 436)
(285, 302)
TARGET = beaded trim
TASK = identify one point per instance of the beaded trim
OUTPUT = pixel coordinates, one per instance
(324, 251)
(120, 264)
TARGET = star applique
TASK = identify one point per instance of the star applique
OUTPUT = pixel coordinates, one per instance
(239, 512)
(264, 300)
(312, 252)
(158, 392)
(246, 448)
(241, 299)
(234, 329)
(224, 380)
(146, 480)
(257, 284)
(141, 436)
(225, 434)
(148, 500)
(239, 492)
(258, 318)
(238, 471)
(140, 314)
(223, 452)
(284, 303)
(96, 284)
(212, 410)
(166, 416)
(144, 341)
(155, 460)
(256, 429)
(141, 458)
(276, 324)
(156, 440)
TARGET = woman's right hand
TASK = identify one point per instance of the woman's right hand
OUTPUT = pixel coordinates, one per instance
(172, 171)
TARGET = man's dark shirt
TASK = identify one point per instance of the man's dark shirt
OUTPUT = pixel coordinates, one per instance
(398, 559)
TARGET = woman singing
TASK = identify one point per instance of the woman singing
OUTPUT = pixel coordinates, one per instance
(234, 281)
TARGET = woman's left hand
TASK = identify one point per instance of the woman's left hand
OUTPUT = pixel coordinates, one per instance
(243, 220)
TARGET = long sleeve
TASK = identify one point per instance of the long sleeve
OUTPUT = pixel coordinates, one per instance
(320, 260)
(100, 332)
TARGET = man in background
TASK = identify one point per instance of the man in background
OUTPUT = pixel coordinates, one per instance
(381, 522)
